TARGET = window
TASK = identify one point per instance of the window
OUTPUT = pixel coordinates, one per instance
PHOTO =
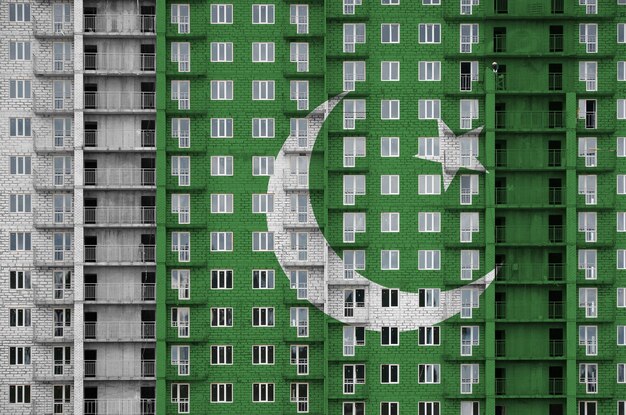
(262, 392)
(588, 186)
(621, 109)
(428, 147)
(221, 165)
(588, 337)
(262, 166)
(429, 221)
(621, 33)
(429, 109)
(588, 375)
(390, 297)
(181, 244)
(19, 280)
(587, 222)
(262, 241)
(181, 283)
(390, 109)
(20, 203)
(299, 242)
(263, 279)
(262, 14)
(62, 170)
(428, 336)
(262, 203)
(352, 261)
(298, 280)
(180, 397)
(588, 73)
(389, 336)
(390, 71)
(62, 245)
(222, 241)
(19, 89)
(389, 260)
(430, 33)
(262, 90)
(621, 335)
(469, 301)
(390, 147)
(349, 6)
(299, 54)
(180, 207)
(353, 147)
(353, 34)
(587, 408)
(299, 318)
(621, 184)
(353, 72)
(352, 375)
(390, 222)
(221, 90)
(299, 15)
(431, 2)
(353, 109)
(469, 225)
(588, 299)
(621, 70)
(389, 408)
(180, 320)
(221, 317)
(180, 54)
(389, 33)
(352, 336)
(588, 148)
(180, 17)
(263, 52)
(470, 262)
(621, 297)
(430, 71)
(221, 392)
(470, 408)
(19, 393)
(19, 317)
(353, 223)
(222, 279)
(390, 185)
(390, 2)
(263, 355)
(469, 112)
(469, 37)
(263, 128)
(352, 299)
(428, 373)
(428, 408)
(390, 374)
(588, 34)
(299, 92)
(20, 127)
(20, 241)
(263, 317)
(181, 168)
(621, 373)
(469, 377)
(429, 297)
(621, 405)
(469, 188)
(180, 93)
(470, 337)
(20, 165)
(221, 52)
(298, 206)
(429, 184)
(587, 260)
(19, 12)
(19, 51)
(221, 203)
(180, 359)
(19, 355)
(181, 128)
(221, 13)
(221, 355)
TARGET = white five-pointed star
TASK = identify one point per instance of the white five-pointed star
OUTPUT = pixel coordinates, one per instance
(450, 153)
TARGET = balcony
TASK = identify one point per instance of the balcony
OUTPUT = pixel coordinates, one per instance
(119, 101)
(529, 121)
(529, 159)
(519, 235)
(47, 28)
(295, 181)
(555, 310)
(119, 25)
(500, 310)
(49, 105)
(119, 407)
(43, 257)
(548, 82)
(44, 218)
(500, 348)
(50, 66)
(125, 293)
(529, 198)
(48, 295)
(119, 178)
(116, 331)
(500, 386)
(119, 369)
(530, 272)
(50, 143)
(120, 140)
(557, 348)
(46, 333)
(119, 63)
(45, 180)
(555, 386)
(56, 371)
(119, 254)
(122, 216)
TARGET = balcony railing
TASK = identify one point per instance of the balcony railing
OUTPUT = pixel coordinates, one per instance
(120, 331)
(120, 254)
(525, 272)
(120, 139)
(555, 309)
(500, 348)
(119, 369)
(119, 24)
(119, 177)
(530, 120)
(528, 158)
(119, 62)
(49, 28)
(520, 235)
(500, 309)
(555, 386)
(535, 196)
(556, 348)
(508, 82)
(500, 386)
(120, 215)
(556, 43)
(120, 407)
(115, 101)
(120, 293)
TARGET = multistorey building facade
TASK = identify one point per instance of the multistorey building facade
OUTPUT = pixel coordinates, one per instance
(339, 182)
(78, 202)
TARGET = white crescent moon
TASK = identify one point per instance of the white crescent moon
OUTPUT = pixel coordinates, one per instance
(329, 298)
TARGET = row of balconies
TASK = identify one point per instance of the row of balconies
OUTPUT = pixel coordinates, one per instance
(122, 178)
(109, 255)
(96, 102)
(98, 63)
(97, 25)
(556, 386)
(117, 293)
(98, 140)
(101, 331)
(554, 311)
(100, 369)
(105, 216)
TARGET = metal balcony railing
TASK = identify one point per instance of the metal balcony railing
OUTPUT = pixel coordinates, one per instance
(520, 235)
(115, 101)
(119, 24)
(524, 272)
(555, 309)
(120, 139)
(120, 407)
(120, 254)
(556, 348)
(500, 310)
(527, 158)
(500, 348)
(120, 293)
(529, 120)
(120, 330)
(119, 62)
(500, 386)
(119, 369)
(120, 215)
(126, 177)
(555, 386)
(535, 196)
